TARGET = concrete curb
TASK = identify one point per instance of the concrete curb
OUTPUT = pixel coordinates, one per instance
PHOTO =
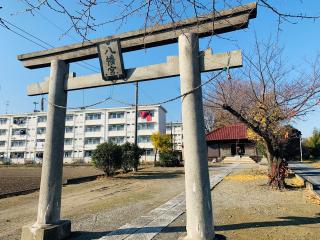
(312, 188)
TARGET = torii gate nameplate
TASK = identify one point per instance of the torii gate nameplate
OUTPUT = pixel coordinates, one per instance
(111, 62)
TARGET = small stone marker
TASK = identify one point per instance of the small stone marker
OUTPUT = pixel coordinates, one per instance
(111, 60)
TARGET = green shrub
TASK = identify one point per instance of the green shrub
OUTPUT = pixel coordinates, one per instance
(169, 159)
(107, 157)
(130, 156)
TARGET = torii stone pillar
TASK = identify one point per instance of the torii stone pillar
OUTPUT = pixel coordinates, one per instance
(49, 225)
(198, 196)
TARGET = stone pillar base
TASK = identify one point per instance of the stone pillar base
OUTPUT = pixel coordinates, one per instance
(48, 232)
(216, 237)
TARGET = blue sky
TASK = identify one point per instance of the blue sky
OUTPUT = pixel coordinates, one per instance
(300, 40)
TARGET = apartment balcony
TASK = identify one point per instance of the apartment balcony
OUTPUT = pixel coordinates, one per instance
(116, 133)
(117, 120)
(69, 135)
(145, 145)
(90, 146)
(94, 122)
(68, 147)
(3, 148)
(40, 124)
(3, 137)
(19, 137)
(94, 134)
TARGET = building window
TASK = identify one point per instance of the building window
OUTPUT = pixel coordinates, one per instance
(19, 120)
(146, 126)
(91, 141)
(18, 143)
(39, 155)
(144, 139)
(67, 154)
(149, 152)
(69, 117)
(68, 141)
(92, 128)
(19, 131)
(68, 129)
(2, 143)
(116, 115)
(116, 139)
(3, 132)
(3, 121)
(1, 155)
(42, 119)
(116, 127)
(17, 155)
(41, 130)
(93, 116)
(87, 153)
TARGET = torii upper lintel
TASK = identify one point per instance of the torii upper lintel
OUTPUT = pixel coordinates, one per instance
(204, 25)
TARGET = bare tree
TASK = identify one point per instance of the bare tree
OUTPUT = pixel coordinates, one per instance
(266, 96)
(83, 19)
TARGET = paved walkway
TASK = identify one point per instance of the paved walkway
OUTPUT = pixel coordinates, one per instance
(310, 174)
(148, 226)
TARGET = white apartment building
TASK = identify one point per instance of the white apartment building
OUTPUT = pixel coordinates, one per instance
(175, 128)
(22, 136)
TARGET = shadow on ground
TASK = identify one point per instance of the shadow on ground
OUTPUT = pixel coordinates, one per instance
(284, 221)
(79, 235)
(152, 175)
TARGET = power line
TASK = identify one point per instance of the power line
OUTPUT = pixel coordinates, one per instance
(4, 23)
(9, 29)
(174, 98)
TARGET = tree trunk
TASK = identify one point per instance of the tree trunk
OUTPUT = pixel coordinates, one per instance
(277, 169)
(155, 158)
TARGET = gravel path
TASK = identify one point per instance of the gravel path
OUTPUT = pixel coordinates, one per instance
(245, 208)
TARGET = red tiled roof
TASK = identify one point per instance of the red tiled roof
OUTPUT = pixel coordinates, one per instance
(229, 132)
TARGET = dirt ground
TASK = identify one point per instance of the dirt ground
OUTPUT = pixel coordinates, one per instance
(245, 208)
(99, 206)
(21, 178)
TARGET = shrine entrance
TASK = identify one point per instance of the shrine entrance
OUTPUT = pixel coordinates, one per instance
(188, 65)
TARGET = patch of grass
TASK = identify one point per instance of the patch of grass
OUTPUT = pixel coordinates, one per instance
(295, 182)
(246, 177)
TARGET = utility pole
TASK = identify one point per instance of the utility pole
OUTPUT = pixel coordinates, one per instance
(136, 116)
(301, 148)
(7, 106)
(172, 144)
(136, 122)
(35, 106)
(42, 104)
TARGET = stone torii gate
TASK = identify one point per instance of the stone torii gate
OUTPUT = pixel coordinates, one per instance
(189, 64)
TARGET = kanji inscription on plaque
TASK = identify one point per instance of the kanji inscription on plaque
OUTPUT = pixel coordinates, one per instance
(111, 60)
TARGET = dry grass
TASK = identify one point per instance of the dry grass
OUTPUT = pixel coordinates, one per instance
(314, 198)
(316, 164)
(245, 177)
(295, 182)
